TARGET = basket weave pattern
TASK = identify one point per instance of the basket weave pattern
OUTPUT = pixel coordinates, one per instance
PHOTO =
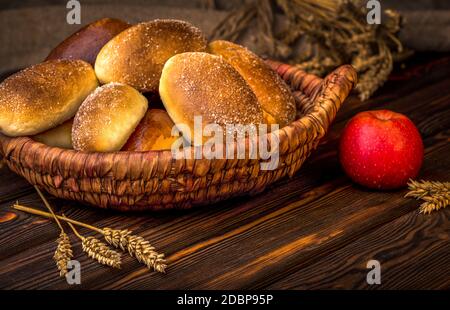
(155, 180)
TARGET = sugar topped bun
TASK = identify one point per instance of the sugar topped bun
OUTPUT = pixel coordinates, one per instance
(201, 84)
(153, 133)
(44, 96)
(273, 94)
(87, 42)
(137, 55)
(60, 136)
(107, 118)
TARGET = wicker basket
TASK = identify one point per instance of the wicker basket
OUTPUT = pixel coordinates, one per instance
(155, 180)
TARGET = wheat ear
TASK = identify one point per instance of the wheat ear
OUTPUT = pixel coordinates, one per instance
(97, 250)
(136, 246)
(436, 195)
(63, 253)
(433, 204)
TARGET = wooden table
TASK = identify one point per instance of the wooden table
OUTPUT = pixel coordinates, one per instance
(316, 230)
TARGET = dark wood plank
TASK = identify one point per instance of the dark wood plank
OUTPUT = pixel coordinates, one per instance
(12, 186)
(412, 250)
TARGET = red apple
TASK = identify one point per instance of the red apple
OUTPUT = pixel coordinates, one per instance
(381, 149)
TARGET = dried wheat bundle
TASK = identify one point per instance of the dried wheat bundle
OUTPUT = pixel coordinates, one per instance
(436, 195)
(330, 33)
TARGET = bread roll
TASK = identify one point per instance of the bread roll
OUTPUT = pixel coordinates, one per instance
(87, 42)
(107, 118)
(44, 96)
(60, 136)
(201, 84)
(273, 94)
(137, 55)
(153, 133)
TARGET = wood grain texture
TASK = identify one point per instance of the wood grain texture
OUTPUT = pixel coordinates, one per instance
(315, 230)
(425, 239)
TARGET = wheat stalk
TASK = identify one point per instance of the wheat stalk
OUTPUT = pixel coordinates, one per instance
(63, 253)
(135, 245)
(436, 195)
(98, 250)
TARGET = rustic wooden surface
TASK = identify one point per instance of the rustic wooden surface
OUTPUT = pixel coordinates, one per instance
(316, 230)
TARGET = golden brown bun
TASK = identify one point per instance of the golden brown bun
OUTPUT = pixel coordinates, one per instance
(107, 118)
(87, 42)
(137, 55)
(44, 96)
(60, 136)
(206, 85)
(273, 94)
(153, 133)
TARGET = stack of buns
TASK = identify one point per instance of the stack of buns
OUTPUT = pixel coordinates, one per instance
(100, 90)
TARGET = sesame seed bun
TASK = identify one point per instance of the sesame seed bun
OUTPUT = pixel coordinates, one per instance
(201, 84)
(273, 94)
(107, 118)
(44, 96)
(137, 55)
